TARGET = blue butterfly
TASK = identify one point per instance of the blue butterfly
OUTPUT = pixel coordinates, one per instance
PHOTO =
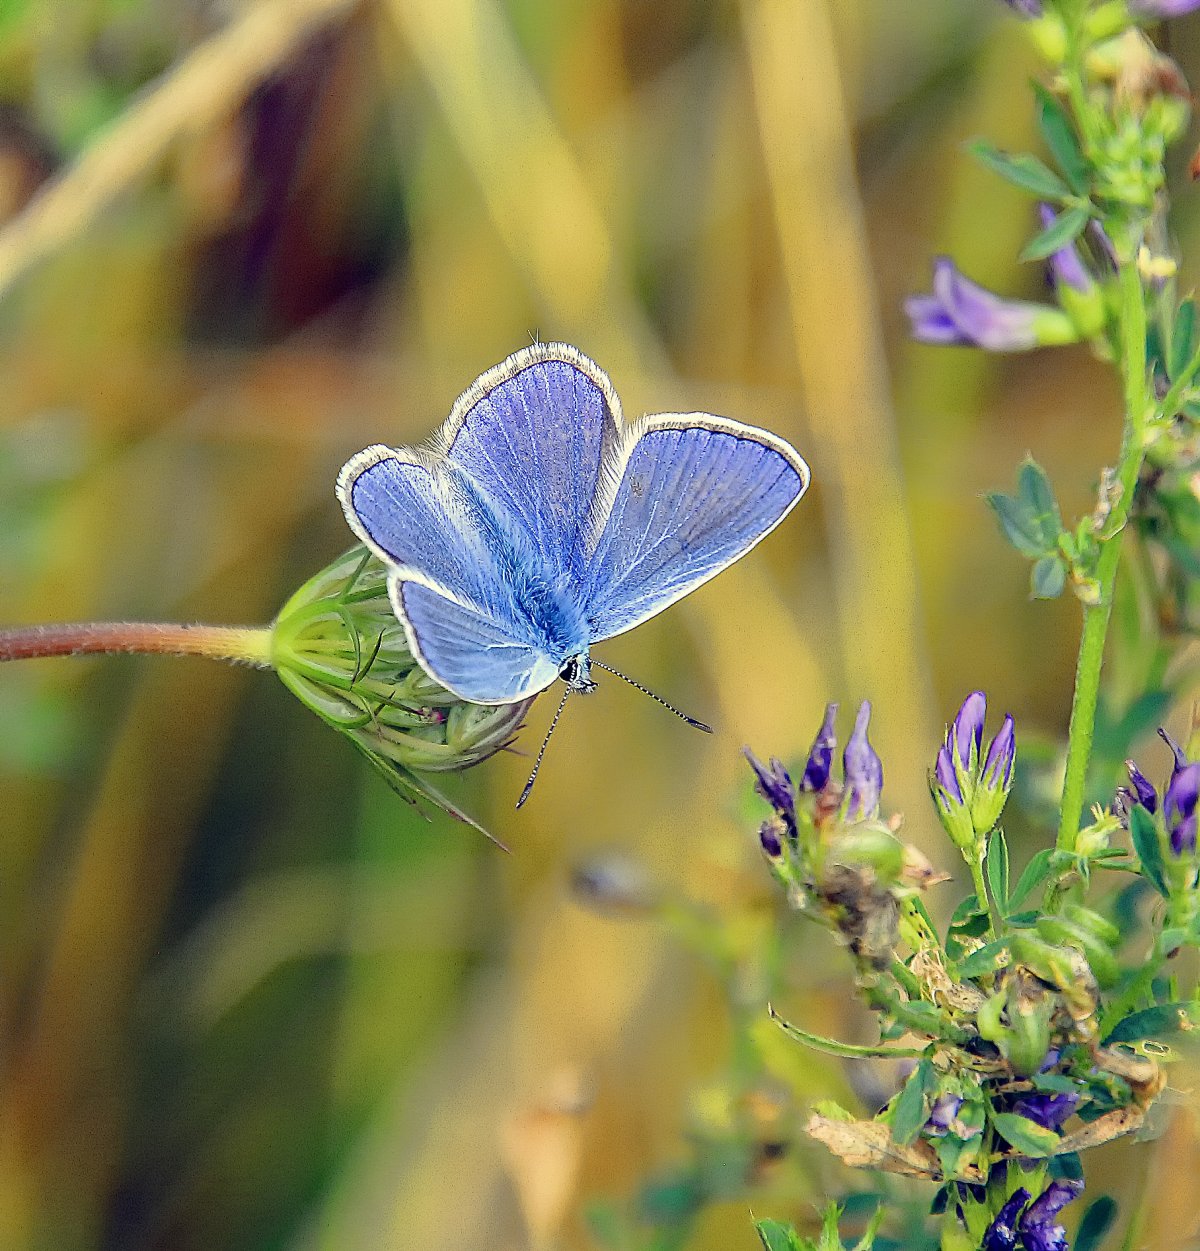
(536, 523)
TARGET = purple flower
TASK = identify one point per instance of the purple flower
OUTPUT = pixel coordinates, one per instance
(967, 730)
(1179, 808)
(862, 770)
(1026, 8)
(1001, 1234)
(775, 786)
(820, 755)
(1049, 1111)
(1143, 792)
(1002, 751)
(962, 313)
(1038, 1228)
(1066, 268)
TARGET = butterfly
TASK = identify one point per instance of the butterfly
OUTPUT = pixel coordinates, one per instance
(536, 523)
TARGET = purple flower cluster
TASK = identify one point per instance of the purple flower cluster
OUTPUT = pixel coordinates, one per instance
(1034, 1227)
(862, 776)
(1180, 800)
(970, 786)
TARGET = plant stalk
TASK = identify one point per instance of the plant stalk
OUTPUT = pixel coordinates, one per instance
(241, 644)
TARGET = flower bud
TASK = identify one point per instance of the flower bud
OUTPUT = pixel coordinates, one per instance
(1001, 1234)
(339, 648)
(1038, 1228)
(820, 756)
(995, 780)
(862, 770)
(1179, 808)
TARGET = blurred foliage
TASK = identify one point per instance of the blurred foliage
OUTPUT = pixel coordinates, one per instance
(248, 999)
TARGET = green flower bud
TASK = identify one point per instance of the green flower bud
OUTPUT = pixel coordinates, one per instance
(339, 648)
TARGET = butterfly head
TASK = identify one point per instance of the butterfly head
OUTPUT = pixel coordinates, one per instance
(576, 672)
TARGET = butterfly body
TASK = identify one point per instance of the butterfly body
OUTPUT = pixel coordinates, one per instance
(536, 523)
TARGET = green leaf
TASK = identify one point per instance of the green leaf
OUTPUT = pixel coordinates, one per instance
(1036, 493)
(1064, 229)
(775, 1236)
(1048, 578)
(1032, 876)
(1021, 169)
(1144, 832)
(1183, 336)
(908, 1113)
(997, 868)
(867, 1241)
(1059, 133)
(1096, 1223)
(1030, 1138)
(1163, 1018)
(1019, 524)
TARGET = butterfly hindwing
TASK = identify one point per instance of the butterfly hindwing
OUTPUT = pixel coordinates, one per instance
(468, 651)
(693, 495)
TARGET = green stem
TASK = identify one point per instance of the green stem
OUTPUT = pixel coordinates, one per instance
(244, 644)
(982, 896)
(832, 1047)
(1139, 404)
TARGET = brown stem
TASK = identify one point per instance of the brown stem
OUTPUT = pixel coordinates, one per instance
(247, 644)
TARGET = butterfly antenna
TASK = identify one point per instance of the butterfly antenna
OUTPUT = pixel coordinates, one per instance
(658, 699)
(537, 764)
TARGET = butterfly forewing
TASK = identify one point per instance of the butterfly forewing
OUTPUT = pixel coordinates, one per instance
(694, 494)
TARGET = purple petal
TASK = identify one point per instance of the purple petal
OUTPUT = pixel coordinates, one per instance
(1049, 1111)
(768, 837)
(947, 778)
(1026, 8)
(931, 324)
(941, 1115)
(1145, 793)
(1001, 1234)
(1065, 266)
(1038, 1228)
(862, 769)
(775, 786)
(998, 767)
(820, 755)
(1179, 808)
(1176, 751)
(968, 727)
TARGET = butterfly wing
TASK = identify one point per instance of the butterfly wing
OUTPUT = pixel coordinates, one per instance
(451, 559)
(689, 496)
(532, 435)
(468, 651)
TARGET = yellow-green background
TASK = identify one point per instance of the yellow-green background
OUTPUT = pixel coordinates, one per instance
(250, 1000)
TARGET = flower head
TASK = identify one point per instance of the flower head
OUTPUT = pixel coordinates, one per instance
(1038, 1228)
(862, 770)
(970, 786)
(959, 312)
(941, 1115)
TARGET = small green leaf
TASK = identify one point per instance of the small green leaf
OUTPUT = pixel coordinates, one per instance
(1032, 876)
(908, 1113)
(1144, 832)
(1019, 524)
(1030, 1138)
(997, 868)
(1048, 578)
(1064, 229)
(1022, 170)
(1163, 1018)
(1036, 493)
(1059, 133)
(1096, 1223)
(1183, 337)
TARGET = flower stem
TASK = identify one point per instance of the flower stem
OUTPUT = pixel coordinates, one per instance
(1139, 404)
(244, 644)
